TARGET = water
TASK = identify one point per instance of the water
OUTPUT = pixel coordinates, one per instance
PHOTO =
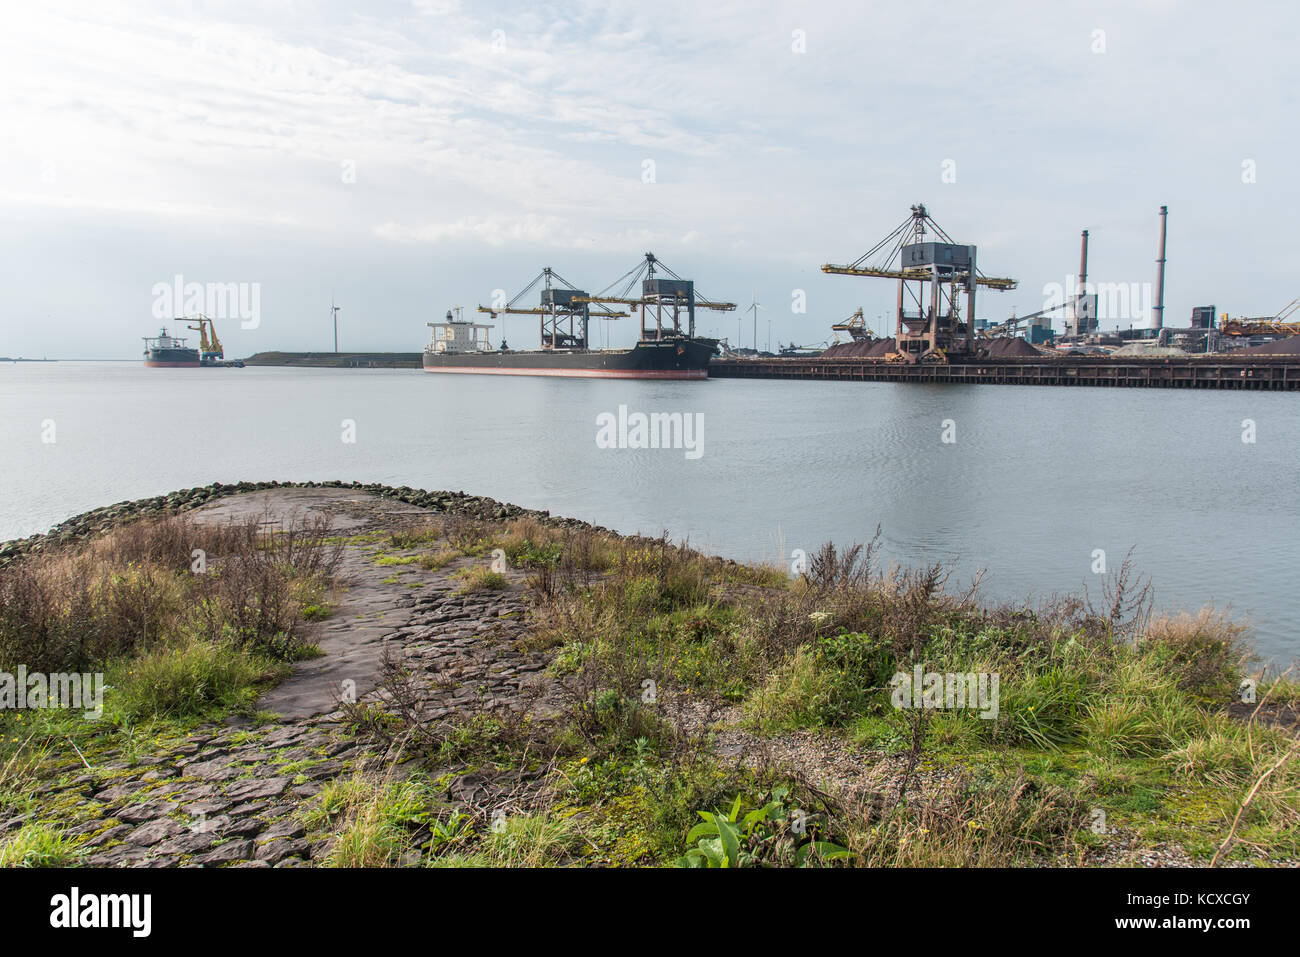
(1037, 479)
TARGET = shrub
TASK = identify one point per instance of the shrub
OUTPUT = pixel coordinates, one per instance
(825, 684)
(1205, 651)
(134, 589)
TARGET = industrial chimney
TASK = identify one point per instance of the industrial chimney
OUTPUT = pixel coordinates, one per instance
(1082, 322)
(1158, 313)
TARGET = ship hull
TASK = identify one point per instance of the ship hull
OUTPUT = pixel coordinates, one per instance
(172, 359)
(665, 359)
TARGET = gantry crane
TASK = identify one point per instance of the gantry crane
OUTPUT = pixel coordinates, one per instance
(210, 349)
(561, 303)
(657, 294)
(934, 329)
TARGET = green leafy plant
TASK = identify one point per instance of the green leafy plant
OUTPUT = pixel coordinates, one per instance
(456, 830)
(758, 837)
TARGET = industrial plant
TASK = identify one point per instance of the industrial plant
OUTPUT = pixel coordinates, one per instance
(936, 334)
(937, 337)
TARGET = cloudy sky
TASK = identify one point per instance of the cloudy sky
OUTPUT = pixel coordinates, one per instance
(404, 157)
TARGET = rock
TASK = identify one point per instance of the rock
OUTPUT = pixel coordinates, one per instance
(217, 770)
(187, 843)
(276, 851)
(326, 769)
(118, 856)
(205, 808)
(119, 791)
(148, 811)
(237, 827)
(286, 828)
(243, 810)
(254, 789)
(149, 834)
(230, 851)
(289, 734)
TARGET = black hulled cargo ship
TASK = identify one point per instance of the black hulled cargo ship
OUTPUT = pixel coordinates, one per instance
(455, 348)
(168, 352)
(664, 350)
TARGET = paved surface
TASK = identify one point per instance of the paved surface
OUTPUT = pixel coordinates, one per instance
(232, 796)
(367, 610)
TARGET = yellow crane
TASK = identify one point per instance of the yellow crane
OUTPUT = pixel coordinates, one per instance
(855, 326)
(210, 349)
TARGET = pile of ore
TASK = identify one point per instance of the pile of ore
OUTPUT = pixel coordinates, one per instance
(1278, 347)
(1011, 347)
(860, 349)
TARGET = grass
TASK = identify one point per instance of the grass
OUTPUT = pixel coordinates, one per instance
(316, 612)
(528, 840)
(656, 653)
(142, 587)
(433, 561)
(177, 642)
(194, 678)
(1108, 709)
(37, 845)
(377, 823)
(478, 579)
(370, 819)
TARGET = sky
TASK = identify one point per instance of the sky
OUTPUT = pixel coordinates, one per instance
(401, 158)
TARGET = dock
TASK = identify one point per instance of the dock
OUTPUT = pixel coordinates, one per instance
(1272, 373)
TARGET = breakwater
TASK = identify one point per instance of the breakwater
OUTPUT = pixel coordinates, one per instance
(339, 360)
(99, 520)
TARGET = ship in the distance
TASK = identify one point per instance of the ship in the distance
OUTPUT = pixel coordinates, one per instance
(665, 350)
(168, 352)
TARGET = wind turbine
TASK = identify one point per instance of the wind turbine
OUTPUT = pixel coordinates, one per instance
(334, 312)
(754, 307)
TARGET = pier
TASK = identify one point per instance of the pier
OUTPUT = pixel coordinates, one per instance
(1281, 373)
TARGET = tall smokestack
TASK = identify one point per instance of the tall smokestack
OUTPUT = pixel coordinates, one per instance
(1158, 313)
(1080, 303)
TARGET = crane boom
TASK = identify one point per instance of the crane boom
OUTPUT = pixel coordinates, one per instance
(538, 311)
(992, 282)
(628, 301)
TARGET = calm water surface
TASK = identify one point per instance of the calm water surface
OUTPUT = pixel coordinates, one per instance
(1036, 480)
